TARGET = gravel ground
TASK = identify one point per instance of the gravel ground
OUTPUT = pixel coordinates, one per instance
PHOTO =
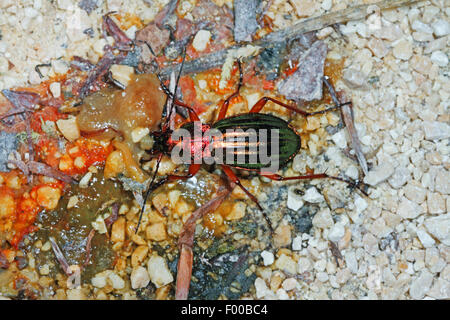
(393, 244)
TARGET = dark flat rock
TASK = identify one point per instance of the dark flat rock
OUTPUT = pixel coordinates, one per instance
(245, 24)
(305, 84)
(8, 143)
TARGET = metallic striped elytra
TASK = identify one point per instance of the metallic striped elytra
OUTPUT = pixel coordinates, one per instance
(251, 141)
(287, 139)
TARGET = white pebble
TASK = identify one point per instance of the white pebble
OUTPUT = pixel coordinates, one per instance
(403, 50)
(313, 196)
(55, 89)
(441, 28)
(421, 27)
(352, 172)
(294, 200)
(323, 219)
(261, 288)
(336, 232)
(439, 227)
(139, 278)
(421, 285)
(360, 204)
(326, 4)
(116, 281)
(439, 58)
(435, 130)
(297, 243)
(268, 257)
(289, 284)
(425, 238)
(60, 66)
(282, 295)
(379, 174)
(84, 182)
(159, 272)
(201, 40)
(325, 32)
(99, 281)
(303, 265)
(339, 139)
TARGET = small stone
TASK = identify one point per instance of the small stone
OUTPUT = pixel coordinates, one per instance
(245, 24)
(351, 262)
(343, 275)
(354, 79)
(306, 82)
(378, 47)
(327, 4)
(289, 284)
(340, 139)
(322, 276)
(282, 236)
(439, 58)
(399, 178)
(441, 28)
(422, 37)
(414, 192)
(408, 209)
(294, 200)
(304, 8)
(360, 204)
(286, 263)
(439, 227)
(268, 257)
(139, 278)
(435, 203)
(282, 294)
(440, 289)
(201, 40)
(159, 272)
(352, 172)
(370, 243)
(442, 182)
(116, 281)
(261, 288)
(60, 66)
(435, 130)
(421, 27)
(425, 238)
(420, 286)
(336, 232)
(403, 50)
(76, 294)
(55, 89)
(313, 196)
(323, 219)
(325, 32)
(303, 265)
(421, 64)
(99, 281)
(297, 243)
(379, 174)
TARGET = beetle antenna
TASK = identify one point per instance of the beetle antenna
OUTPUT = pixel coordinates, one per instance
(174, 94)
(149, 190)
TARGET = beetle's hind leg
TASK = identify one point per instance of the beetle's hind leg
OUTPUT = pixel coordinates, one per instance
(233, 178)
(262, 102)
(353, 184)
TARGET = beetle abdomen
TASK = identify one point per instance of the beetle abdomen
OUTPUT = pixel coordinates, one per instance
(256, 141)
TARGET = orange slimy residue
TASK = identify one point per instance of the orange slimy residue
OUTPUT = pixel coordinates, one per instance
(18, 209)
